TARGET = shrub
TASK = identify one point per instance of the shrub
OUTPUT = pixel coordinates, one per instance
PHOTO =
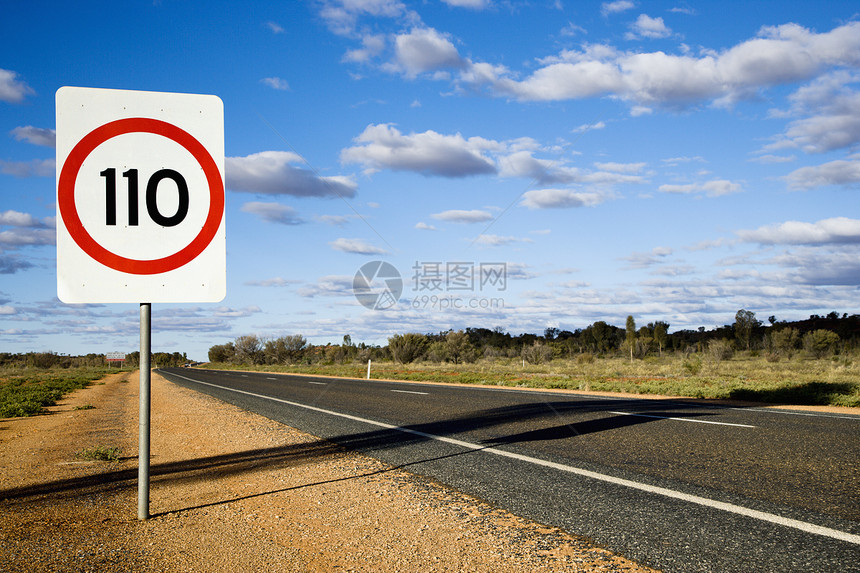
(719, 350)
(784, 341)
(100, 454)
(693, 365)
(537, 353)
(820, 343)
(409, 347)
(585, 358)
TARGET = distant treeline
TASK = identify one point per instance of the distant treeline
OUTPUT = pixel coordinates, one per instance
(54, 360)
(817, 336)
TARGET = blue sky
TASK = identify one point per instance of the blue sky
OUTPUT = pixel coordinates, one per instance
(673, 161)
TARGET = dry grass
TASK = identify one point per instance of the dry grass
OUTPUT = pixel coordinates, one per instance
(800, 380)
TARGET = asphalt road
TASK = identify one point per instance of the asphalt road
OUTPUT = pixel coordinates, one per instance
(679, 486)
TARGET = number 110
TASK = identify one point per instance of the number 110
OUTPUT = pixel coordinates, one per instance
(151, 197)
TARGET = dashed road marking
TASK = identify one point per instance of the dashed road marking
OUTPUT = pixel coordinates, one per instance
(683, 419)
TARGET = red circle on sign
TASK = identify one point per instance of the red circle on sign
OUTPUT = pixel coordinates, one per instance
(68, 209)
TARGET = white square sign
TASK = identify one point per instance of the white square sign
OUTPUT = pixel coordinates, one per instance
(140, 197)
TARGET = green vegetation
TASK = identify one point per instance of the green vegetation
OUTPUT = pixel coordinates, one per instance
(28, 391)
(32, 381)
(46, 360)
(100, 454)
(810, 362)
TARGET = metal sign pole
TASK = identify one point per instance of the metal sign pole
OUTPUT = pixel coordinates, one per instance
(143, 419)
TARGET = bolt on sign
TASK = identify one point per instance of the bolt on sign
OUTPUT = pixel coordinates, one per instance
(140, 197)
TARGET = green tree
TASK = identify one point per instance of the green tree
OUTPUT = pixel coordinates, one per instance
(599, 336)
(660, 332)
(218, 353)
(630, 335)
(820, 342)
(248, 350)
(406, 348)
(285, 349)
(458, 347)
(745, 323)
(785, 341)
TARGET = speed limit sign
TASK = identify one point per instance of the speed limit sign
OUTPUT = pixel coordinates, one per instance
(140, 196)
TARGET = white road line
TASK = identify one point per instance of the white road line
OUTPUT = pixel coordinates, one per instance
(854, 417)
(683, 419)
(270, 378)
(665, 492)
(318, 383)
(411, 392)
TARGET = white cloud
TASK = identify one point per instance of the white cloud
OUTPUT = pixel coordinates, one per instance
(777, 56)
(424, 50)
(421, 226)
(341, 16)
(273, 212)
(615, 167)
(769, 159)
(13, 90)
(837, 230)
(27, 236)
(372, 46)
(36, 135)
(275, 27)
(589, 127)
(560, 199)
(840, 172)
(616, 7)
(548, 172)
(679, 189)
(356, 246)
(639, 260)
(677, 160)
(18, 219)
(274, 282)
(229, 312)
(461, 216)
(830, 112)
(499, 241)
(332, 285)
(821, 266)
(32, 168)
(713, 188)
(276, 83)
(382, 146)
(647, 27)
(334, 220)
(473, 4)
(272, 173)
(719, 187)
(563, 81)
